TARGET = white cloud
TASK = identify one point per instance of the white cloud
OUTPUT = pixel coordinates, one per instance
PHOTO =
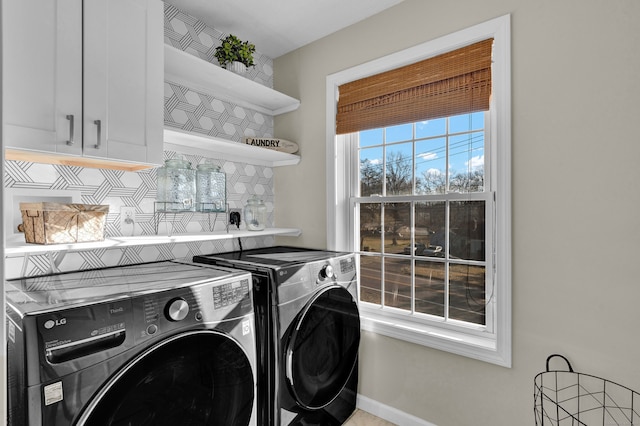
(427, 156)
(476, 162)
(375, 161)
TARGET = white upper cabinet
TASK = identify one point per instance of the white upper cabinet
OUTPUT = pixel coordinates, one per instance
(124, 79)
(42, 87)
(96, 94)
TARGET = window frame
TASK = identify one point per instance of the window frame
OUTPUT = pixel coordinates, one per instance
(490, 345)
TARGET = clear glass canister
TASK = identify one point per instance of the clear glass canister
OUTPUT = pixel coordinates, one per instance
(176, 185)
(211, 188)
(255, 214)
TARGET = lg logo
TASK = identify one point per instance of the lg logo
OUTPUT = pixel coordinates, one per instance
(52, 323)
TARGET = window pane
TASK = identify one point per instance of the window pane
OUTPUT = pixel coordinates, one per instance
(370, 227)
(425, 129)
(467, 293)
(400, 169)
(371, 137)
(430, 288)
(466, 122)
(477, 120)
(466, 160)
(431, 164)
(397, 227)
(430, 227)
(371, 172)
(403, 132)
(371, 279)
(467, 230)
(397, 283)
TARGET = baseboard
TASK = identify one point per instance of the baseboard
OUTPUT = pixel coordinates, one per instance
(388, 413)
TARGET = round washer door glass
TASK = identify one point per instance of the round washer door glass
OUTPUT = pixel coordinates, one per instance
(323, 348)
(200, 378)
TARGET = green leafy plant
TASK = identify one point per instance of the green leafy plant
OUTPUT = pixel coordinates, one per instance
(233, 49)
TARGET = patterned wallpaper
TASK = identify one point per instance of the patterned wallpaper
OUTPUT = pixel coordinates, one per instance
(191, 35)
(197, 112)
(203, 113)
(184, 109)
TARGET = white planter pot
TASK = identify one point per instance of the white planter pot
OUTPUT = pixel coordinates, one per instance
(237, 67)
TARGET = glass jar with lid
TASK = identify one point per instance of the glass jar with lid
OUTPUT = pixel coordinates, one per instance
(176, 186)
(255, 214)
(211, 188)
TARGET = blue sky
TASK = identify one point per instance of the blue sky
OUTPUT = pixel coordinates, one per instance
(466, 150)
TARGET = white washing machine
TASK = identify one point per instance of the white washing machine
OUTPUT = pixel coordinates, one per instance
(163, 343)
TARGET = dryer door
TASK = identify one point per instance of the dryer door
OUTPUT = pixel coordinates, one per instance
(322, 349)
(195, 378)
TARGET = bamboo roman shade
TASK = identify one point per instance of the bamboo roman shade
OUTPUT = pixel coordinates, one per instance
(452, 83)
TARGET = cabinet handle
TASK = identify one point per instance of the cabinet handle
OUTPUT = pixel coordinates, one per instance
(99, 124)
(70, 118)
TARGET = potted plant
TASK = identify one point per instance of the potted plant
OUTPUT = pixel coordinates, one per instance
(234, 54)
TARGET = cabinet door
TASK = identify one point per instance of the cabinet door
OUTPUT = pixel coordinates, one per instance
(42, 86)
(123, 79)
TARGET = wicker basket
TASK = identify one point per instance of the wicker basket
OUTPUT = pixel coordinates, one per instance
(55, 223)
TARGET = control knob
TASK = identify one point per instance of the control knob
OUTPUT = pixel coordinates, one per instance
(326, 272)
(177, 309)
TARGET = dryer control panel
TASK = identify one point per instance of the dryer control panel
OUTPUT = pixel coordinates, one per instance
(301, 280)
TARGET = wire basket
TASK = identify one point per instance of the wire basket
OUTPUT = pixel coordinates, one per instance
(567, 398)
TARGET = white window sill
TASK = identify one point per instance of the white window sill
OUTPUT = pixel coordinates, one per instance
(472, 343)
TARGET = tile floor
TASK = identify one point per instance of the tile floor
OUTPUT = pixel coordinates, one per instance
(362, 418)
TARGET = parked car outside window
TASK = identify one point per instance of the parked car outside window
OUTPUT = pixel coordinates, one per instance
(418, 249)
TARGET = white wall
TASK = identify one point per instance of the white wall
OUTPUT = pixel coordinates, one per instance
(576, 226)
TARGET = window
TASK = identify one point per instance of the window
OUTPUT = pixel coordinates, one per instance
(421, 218)
(426, 205)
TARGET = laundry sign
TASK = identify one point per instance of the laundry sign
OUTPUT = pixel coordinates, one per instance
(281, 145)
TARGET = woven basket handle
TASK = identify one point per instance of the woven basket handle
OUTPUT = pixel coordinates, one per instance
(565, 360)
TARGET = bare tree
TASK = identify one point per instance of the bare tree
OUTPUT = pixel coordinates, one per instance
(370, 178)
(399, 174)
(433, 182)
(467, 182)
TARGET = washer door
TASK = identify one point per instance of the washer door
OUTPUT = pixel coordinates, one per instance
(196, 378)
(322, 349)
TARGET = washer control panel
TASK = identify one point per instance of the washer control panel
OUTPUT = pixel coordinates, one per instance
(230, 293)
(113, 326)
(182, 307)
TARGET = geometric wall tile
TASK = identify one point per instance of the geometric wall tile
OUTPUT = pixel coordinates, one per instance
(189, 110)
